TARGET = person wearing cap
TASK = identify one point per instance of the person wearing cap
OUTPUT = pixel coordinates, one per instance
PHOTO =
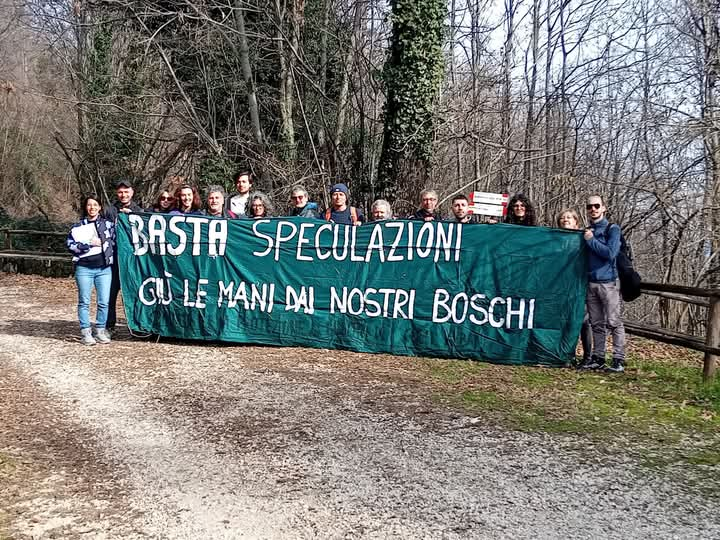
(340, 211)
(428, 210)
(238, 203)
(124, 192)
(124, 203)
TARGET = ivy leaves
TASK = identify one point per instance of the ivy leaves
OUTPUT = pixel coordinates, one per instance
(412, 76)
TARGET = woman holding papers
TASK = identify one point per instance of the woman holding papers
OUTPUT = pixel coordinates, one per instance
(91, 242)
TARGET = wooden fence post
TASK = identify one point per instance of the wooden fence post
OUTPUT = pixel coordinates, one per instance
(8, 240)
(712, 339)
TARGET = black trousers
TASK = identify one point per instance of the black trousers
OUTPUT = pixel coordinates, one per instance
(114, 290)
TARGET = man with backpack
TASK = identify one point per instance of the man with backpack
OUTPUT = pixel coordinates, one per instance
(302, 207)
(603, 241)
(340, 211)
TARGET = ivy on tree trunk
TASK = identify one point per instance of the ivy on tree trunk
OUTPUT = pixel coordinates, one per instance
(413, 73)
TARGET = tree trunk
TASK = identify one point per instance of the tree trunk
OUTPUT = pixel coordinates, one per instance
(288, 37)
(711, 125)
(321, 136)
(247, 73)
(342, 101)
(529, 168)
(506, 108)
(549, 132)
(413, 73)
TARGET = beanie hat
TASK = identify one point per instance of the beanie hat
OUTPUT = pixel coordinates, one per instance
(340, 188)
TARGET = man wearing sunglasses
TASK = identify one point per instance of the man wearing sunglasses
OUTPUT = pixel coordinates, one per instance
(301, 206)
(603, 295)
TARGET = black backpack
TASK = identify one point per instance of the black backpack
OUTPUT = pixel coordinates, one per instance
(629, 278)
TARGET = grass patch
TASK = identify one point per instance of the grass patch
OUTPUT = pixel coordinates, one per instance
(659, 407)
(453, 372)
(478, 398)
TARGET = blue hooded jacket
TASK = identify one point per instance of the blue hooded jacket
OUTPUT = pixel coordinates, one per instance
(603, 249)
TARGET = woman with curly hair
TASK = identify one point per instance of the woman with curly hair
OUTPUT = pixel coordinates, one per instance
(187, 201)
(259, 205)
(521, 211)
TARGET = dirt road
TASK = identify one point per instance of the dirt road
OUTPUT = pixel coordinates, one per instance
(169, 440)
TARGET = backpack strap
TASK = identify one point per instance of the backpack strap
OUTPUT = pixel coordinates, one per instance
(353, 215)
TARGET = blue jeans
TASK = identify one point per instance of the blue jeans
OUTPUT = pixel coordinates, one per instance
(86, 279)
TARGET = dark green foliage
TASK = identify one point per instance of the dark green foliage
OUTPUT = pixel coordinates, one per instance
(114, 120)
(97, 76)
(217, 170)
(5, 219)
(412, 75)
(201, 45)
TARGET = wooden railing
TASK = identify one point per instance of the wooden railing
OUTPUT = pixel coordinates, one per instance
(7, 235)
(710, 344)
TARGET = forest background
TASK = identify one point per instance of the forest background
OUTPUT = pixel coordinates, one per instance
(551, 98)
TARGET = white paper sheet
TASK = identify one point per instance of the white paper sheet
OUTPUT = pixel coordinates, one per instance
(86, 234)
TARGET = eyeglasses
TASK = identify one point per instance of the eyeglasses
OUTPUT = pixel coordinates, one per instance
(595, 206)
(298, 196)
(166, 198)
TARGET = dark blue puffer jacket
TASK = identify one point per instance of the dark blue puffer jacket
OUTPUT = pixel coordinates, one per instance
(603, 249)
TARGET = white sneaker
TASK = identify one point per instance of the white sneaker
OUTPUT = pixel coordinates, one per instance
(102, 335)
(86, 337)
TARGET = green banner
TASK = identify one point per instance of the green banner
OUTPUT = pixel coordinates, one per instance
(501, 293)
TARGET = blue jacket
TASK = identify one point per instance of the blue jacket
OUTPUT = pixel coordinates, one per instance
(603, 249)
(310, 210)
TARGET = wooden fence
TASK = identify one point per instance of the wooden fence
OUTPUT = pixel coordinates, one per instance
(45, 236)
(710, 345)
(709, 298)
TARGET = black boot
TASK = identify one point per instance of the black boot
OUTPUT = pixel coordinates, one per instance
(618, 366)
(591, 363)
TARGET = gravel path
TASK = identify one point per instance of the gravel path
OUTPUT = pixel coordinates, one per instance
(171, 440)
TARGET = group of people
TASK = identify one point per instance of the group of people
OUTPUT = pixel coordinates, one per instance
(92, 243)
(253, 204)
